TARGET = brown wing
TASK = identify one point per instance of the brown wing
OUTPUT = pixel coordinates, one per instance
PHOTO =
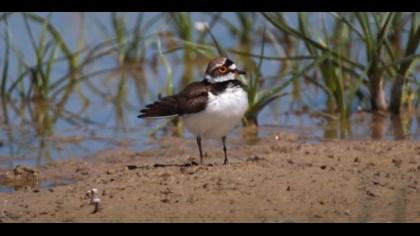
(192, 99)
(165, 107)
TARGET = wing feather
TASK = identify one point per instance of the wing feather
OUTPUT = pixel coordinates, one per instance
(191, 100)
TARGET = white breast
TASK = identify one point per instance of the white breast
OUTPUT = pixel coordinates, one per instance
(221, 114)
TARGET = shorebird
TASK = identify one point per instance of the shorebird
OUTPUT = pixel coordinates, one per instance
(209, 108)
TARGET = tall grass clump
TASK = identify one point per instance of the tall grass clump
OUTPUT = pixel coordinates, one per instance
(129, 49)
(344, 70)
(402, 92)
(258, 96)
(183, 28)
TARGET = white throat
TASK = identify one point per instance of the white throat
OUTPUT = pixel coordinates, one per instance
(229, 76)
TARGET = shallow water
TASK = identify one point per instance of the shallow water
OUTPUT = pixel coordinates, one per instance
(45, 184)
(27, 149)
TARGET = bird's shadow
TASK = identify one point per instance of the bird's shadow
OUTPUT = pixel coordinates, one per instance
(159, 165)
(188, 164)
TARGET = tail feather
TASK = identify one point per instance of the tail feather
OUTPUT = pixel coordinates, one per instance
(165, 107)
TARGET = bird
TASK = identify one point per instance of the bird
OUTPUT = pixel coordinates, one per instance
(209, 108)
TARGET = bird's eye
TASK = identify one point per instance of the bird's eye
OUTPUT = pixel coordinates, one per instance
(222, 69)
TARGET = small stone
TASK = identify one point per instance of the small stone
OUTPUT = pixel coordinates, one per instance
(165, 200)
(396, 162)
(369, 193)
(254, 159)
(131, 167)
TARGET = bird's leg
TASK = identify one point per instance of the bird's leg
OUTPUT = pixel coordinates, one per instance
(199, 149)
(224, 150)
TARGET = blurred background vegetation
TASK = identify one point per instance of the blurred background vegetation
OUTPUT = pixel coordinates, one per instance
(68, 76)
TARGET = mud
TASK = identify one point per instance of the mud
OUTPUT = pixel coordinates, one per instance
(280, 178)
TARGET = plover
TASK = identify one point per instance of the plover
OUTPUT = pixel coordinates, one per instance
(209, 108)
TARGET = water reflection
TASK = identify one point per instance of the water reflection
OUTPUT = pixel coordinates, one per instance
(401, 125)
(397, 127)
(378, 125)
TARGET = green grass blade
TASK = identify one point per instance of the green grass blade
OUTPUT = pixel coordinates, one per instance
(169, 77)
(57, 37)
(412, 45)
(262, 51)
(280, 24)
(5, 64)
(220, 50)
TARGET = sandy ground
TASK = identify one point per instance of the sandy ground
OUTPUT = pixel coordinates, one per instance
(279, 179)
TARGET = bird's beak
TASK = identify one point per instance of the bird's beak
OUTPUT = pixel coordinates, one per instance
(240, 72)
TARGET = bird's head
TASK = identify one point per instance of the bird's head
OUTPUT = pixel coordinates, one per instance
(221, 69)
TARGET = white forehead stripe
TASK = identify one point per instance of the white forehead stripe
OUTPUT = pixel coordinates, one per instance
(232, 67)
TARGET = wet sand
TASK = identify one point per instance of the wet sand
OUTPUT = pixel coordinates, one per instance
(279, 179)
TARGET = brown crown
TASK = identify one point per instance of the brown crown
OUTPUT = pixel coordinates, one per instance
(213, 64)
